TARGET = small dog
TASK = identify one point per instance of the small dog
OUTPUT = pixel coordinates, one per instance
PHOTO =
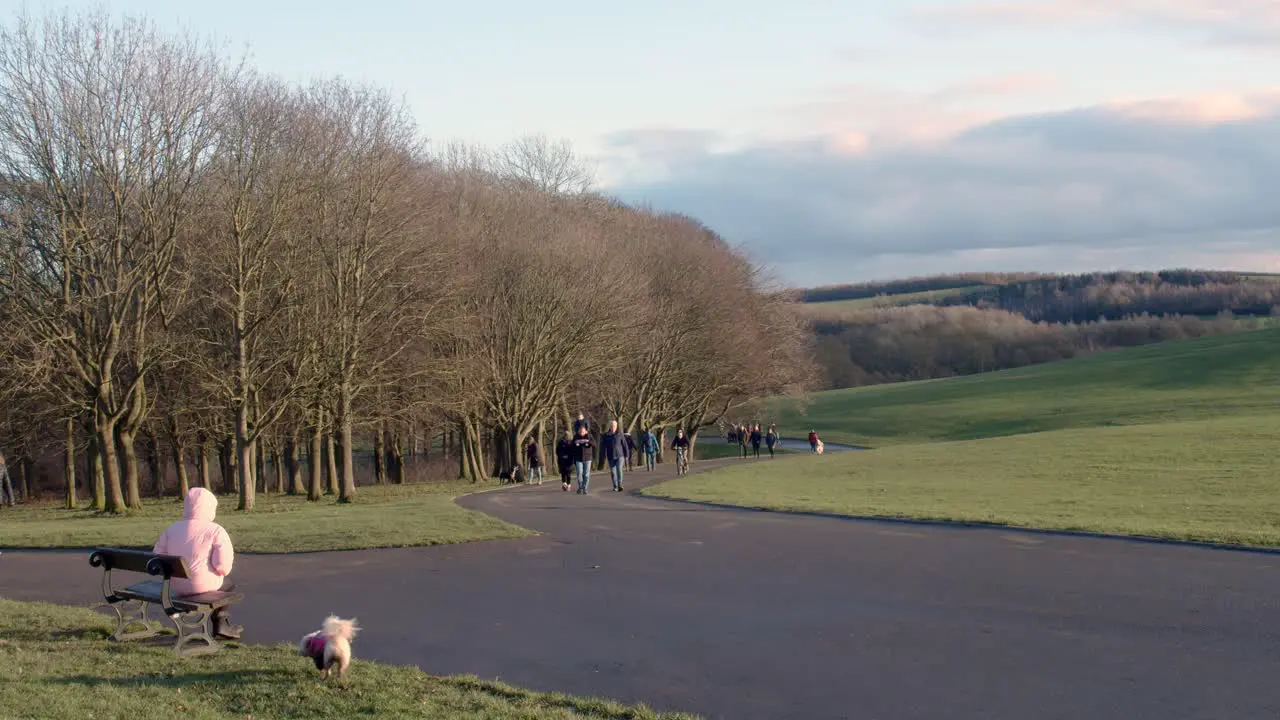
(330, 646)
(818, 449)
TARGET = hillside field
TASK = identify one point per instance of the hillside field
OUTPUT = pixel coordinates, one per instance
(1226, 375)
(1177, 440)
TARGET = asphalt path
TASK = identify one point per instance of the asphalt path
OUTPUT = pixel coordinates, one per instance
(743, 614)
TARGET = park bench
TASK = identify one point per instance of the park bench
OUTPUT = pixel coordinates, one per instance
(192, 615)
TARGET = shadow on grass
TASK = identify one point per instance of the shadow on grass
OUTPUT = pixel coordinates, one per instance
(588, 707)
(229, 678)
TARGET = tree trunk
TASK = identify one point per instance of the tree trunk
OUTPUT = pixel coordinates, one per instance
(98, 472)
(244, 454)
(178, 448)
(155, 464)
(69, 465)
(22, 468)
(202, 460)
(399, 472)
(279, 467)
(314, 456)
(380, 455)
(106, 430)
(224, 466)
(347, 491)
(260, 449)
(331, 452)
(296, 486)
(129, 463)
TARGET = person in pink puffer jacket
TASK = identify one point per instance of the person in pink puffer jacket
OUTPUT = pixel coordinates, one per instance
(206, 547)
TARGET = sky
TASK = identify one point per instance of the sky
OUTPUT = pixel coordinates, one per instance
(846, 140)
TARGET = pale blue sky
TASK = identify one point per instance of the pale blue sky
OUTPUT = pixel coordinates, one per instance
(841, 79)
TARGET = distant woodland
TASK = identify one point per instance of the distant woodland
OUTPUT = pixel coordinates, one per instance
(999, 321)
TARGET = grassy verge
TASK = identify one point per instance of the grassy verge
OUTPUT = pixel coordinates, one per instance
(1211, 480)
(384, 516)
(59, 664)
(715, 449)
(1166, 382)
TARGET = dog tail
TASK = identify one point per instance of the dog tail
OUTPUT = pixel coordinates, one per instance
(335, 626)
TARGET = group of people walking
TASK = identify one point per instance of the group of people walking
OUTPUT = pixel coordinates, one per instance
(575, 453)
(753, 434)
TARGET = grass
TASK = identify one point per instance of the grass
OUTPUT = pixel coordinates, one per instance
(1175, 440)
(383, 516)
(1214, 480)
(710, 448)
(59, 664)
(1236, 374)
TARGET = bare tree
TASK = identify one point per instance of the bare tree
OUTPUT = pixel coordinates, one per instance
(103, 130)
(551, 166)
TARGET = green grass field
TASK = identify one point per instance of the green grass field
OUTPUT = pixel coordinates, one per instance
(1178, 440)
(58, 663)
(385, 516)
(1208, 377)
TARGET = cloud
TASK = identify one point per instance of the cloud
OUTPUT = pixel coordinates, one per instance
(1250, 23)
(1149, 184)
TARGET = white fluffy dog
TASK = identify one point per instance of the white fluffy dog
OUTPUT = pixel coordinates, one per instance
(818, 449)
(330, 646)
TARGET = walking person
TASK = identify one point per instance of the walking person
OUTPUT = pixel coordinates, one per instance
(534, 456)
(756, 437)
(6, 485)
(582, 457)
(771, 439)
(564, 459)
(649, 443)
(742, 440)
(614, 447)
(631, 450)
(680, 443)
(813, 440)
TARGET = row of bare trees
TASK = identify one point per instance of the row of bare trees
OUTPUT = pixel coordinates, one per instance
(233, 267)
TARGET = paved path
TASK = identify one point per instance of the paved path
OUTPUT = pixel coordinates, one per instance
(738, 614)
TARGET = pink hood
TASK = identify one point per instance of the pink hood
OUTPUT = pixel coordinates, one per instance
(202, 542)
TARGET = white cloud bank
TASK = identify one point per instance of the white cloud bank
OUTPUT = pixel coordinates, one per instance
(1134, 185)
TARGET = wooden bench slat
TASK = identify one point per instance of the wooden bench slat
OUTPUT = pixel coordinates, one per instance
(151, 590)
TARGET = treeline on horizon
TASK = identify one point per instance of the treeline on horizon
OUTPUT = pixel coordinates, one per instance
(1011, 320)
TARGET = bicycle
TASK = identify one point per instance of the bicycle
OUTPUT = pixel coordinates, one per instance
(682, 461)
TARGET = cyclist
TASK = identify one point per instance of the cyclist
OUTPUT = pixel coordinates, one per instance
(680, 443)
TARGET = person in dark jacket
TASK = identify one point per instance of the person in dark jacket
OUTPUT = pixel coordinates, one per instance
(564, 459)
(742, 440)
(613, 444)
(680, 443)
(534, 455)
(582, 456)
(649, 442)
(631, 450)
(771, 439)
(756, 437)
(579, 424)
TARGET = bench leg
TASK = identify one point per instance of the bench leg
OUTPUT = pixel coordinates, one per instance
(130, 613)
(194, 627)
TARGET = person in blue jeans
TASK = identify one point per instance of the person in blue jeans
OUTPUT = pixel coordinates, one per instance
(649, 443)
(614, 446)
(582, 456)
